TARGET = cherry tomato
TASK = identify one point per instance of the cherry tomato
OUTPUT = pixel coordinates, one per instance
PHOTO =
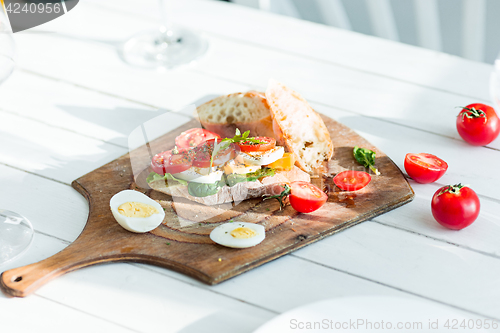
(351, 180)
(203, 153)
(478, 124)
(424, 168)
(268, 143)
(171, 161)
(193, 137)
(305, 197)
(455, 206)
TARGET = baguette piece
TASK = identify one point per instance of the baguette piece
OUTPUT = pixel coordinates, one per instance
(241, 191)
(245, 111)
(298, 127)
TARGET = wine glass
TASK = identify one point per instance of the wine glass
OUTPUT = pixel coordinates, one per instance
(16, 232)
(167, 47)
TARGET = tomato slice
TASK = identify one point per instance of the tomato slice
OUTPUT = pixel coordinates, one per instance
(268, 143)
(424, 168)
(351, 180)
(203, 153)
(305, 197)
(170, 162)
(193, 137)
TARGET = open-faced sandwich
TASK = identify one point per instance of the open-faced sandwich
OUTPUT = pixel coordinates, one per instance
(284, 141)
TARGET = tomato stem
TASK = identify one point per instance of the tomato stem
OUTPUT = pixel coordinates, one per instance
(282, 196)
(454, 189)
(473, 113)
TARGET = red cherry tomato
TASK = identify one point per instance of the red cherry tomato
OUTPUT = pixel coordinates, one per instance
(203, 153)
(305, 197)
(268, 143)
(455, 206)
(171, 162)
(351, 180)
(424, 168)
(478, 124)
(193, 137)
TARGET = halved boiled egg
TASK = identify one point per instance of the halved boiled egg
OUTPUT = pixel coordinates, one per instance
(135, 211)
(262, 157)
(238, 234)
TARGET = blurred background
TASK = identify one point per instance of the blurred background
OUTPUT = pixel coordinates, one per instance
(466, 28)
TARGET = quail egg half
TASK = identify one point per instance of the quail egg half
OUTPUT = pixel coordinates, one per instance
(238, 234)
(135, 211)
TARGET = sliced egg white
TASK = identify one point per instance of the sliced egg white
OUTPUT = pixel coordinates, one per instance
(199, 175)
(144, 206)
(263, 157)
(238, 234)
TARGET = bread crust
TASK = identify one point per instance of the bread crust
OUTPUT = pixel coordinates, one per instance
(239, 192)
(247, 111)
(298, 127)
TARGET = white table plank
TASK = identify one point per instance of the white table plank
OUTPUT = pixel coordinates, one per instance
(36, 313)
(54, 209)
(323, 43)
(417, 217)
(93, 114)
(50, 151)
(420, 265)
(147, 302)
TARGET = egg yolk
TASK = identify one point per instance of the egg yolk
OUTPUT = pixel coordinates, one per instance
(243, 232)
(136, 209)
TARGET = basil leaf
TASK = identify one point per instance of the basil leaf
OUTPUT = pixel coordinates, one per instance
(154, 176)
(204, 190)
(169, 176)
(235, 178)
(366, 158)
(238, 137)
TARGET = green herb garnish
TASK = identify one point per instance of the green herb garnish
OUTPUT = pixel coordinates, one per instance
(204, 190)
(235, 178)
(238, 137)
(366, 158)
(154, 176)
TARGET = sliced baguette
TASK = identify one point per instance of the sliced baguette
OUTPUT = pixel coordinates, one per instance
(241, 191)
(298, 127)
(245, 111)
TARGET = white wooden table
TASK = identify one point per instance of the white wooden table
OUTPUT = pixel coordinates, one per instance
(71, 104)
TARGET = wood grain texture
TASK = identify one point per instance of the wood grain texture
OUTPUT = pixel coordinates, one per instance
(181, 243)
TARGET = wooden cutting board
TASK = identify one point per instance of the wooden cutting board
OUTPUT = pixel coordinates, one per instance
(182, 243)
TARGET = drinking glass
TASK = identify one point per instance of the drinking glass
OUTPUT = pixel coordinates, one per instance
(16, 232)
(168, 47)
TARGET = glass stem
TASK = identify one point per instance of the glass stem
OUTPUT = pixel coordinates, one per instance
(166, 21)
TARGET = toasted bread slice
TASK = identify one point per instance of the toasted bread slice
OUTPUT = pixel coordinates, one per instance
(245, 111)
(241, 191)
(298, 127)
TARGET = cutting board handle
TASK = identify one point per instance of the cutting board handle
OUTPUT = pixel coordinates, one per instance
(22, 281)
